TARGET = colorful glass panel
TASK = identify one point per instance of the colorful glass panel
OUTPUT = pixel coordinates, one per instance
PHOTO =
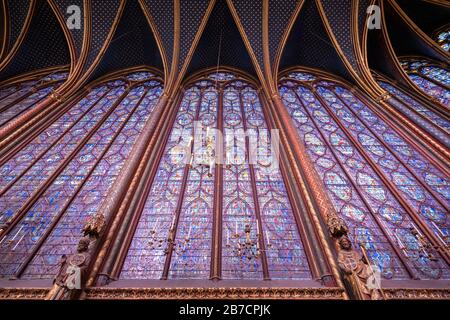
(420, 113)
(340, 143)
(221, 76)
(188, 191)
(192, 260)
(432, 79)
(443, 39)
(146, 255)
(238, 200)
(286, 257)
(399, 161)
(76, 161)
(18, 98)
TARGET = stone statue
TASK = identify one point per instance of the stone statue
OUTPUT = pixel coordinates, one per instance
(72, 273)
(357, 271)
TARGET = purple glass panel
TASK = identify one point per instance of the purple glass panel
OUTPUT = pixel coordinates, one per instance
(82, 182)
(431, 79)
(331, 149)
(20, 97)
(145, 259)
(286, 256)
(238, 205)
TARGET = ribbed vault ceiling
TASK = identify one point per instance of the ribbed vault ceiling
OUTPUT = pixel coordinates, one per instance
(122, 36)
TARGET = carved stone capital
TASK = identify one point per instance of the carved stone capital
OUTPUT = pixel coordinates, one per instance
(55, 96)
(337, 226)
(384, 97)
(95, 225)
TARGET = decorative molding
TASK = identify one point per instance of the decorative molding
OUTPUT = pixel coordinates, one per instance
(23, 294)
(158, 39)
(215, 293)
(337, 47)
(287, 32)
(249, 47)
(86, 69)
(4, 37)
(33, 75)
(443, 3)
(224, 293)
(199, 32)
(416, 294)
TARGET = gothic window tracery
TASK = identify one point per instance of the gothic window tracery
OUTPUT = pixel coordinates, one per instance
(24, 95)
(249, 199)
(431, 78)
(50, 187)
(383, 187)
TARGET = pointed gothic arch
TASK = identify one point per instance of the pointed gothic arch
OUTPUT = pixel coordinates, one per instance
(72, 164)
(370, 148)
(224, 191)
(375, 166)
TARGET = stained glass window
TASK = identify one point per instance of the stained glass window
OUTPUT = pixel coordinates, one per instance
(442, 37)
(429, 118)
(23, 95)
(186, 196)
(432, 79)
(380, 185)
(52, 185)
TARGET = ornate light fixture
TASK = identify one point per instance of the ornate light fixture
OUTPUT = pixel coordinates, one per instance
(206, 155)
(177, 247)
(155, 241)
(246, 248)
(169, 244)
(94, 225)
(425, 246)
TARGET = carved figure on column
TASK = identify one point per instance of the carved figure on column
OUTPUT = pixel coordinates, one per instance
(71, 277)
(337, 226)
(357, 271)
